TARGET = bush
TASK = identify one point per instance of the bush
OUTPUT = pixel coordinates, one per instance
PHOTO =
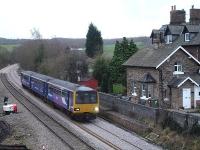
(118, 89)
(195, 130)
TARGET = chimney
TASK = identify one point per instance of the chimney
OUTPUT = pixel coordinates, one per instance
(177, 17)
(194, 16)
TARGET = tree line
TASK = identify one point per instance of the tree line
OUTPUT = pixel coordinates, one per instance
(112, 72)
(55, 58)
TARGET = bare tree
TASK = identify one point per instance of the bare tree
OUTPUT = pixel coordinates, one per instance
(36, 33)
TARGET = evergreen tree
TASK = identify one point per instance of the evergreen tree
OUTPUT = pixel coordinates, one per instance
(94, 42)
(122, 52)
(101, 73)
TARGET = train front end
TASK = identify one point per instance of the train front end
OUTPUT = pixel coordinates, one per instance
(86, 103)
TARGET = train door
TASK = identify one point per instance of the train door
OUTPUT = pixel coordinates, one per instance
(65, 98)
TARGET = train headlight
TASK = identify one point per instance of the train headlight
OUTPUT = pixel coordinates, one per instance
(76, 109)
(96, 109)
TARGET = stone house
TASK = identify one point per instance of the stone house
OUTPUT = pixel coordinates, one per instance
(169, 72)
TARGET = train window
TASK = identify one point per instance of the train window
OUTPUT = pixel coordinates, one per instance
(86, 97)
(50, 89)
(26, 77)
(64, 94)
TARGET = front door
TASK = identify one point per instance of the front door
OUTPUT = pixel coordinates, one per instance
(187, 98)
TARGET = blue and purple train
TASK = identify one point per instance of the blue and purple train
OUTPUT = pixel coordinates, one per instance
(78, 100)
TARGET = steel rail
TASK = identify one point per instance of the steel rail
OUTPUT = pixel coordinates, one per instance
(70, 139)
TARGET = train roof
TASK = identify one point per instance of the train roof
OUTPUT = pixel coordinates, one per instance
(37, 76)
(27, 72)
(64, 84)
(57, 82)
(69, 85)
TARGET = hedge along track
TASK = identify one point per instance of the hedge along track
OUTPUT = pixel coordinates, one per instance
(70, 139)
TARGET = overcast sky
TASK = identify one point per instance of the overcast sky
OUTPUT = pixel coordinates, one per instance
(71, 18)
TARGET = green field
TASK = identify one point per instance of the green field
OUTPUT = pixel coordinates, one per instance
(109, 49)
(9, 47)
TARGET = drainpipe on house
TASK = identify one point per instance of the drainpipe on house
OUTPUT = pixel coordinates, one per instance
(161, 86)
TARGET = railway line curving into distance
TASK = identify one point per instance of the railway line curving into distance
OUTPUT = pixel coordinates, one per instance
(98, 131)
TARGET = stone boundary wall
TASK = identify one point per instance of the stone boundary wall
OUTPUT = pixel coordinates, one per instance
(155, 115)
(184, 119)
(128, 108)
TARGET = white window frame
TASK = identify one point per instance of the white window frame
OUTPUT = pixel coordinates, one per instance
(169, 39)
(143, 90)
(187, 36)
(178, 69)
(144, 96)
(133, 90)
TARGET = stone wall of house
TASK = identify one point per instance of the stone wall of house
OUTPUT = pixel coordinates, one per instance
(189, 67)
(175, 99)
(194, 50)
(136, 74)
(177, 95)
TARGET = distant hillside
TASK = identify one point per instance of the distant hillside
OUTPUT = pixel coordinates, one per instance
(4, 41)
(78, 42)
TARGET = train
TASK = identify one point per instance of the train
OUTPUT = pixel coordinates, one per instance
(77, 100)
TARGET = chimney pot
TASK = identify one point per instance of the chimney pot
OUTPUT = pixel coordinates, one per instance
(174, 7)
(192, 6)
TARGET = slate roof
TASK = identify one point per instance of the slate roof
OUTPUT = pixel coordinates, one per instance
(194, 41)
(148, 79)
(154, 31)
(150, 57)
(192, 28)
(177, 80)
(174, 29)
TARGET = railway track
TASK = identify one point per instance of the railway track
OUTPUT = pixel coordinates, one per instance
(71, 140)
(56, 127)
(120, 143)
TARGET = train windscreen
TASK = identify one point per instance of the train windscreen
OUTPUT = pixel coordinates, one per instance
(86, 97)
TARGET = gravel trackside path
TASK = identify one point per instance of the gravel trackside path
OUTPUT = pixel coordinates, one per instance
(26, 129)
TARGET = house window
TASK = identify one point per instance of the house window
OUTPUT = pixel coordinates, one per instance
(147, 91)
(178, 68)
(150, 90)
(169, 39)
(187, 36)
(144, 90)
(133, 90)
